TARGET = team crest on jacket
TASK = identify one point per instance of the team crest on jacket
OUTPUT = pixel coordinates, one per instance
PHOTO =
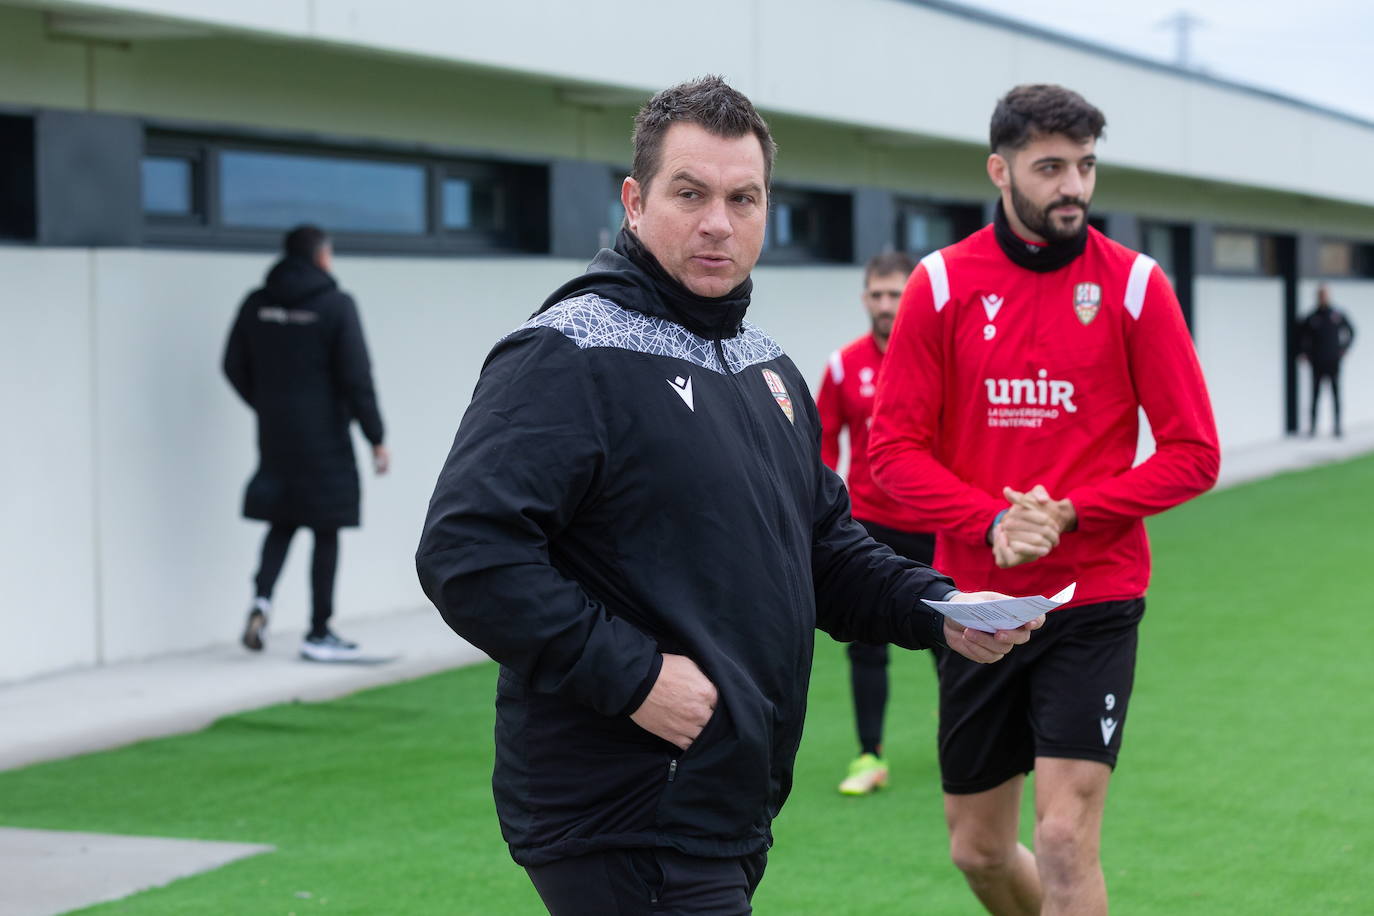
(780, 394)
(1086, 299)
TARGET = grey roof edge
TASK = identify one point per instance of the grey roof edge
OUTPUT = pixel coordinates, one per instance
(1025, 28)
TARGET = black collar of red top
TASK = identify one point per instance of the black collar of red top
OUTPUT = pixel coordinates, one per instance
(1039, 258)
(631, 277)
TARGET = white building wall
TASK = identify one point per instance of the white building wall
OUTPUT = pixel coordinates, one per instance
(1356, 299)
(1238, 326)
(50, 605)
(137, 450)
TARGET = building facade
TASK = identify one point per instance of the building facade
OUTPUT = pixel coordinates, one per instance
(468, 159)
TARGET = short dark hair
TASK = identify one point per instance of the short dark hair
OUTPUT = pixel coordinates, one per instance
(889, 262)
(1039, 110)
(304, 241)
(709, 102)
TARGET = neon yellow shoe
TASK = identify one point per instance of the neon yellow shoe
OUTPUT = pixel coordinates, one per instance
(866, 774)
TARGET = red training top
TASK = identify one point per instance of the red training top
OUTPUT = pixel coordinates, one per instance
(846, 399)
(1001, 375)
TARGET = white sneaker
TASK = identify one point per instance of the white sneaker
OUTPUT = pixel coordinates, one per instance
(329, 648)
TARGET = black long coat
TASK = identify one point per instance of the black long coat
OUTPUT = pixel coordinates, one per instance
(296, 355)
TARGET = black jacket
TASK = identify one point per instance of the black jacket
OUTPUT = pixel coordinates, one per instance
(622, 487)
(296, 355)
(1324, 336)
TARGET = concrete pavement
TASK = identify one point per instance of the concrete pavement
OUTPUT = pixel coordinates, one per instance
(97, 708)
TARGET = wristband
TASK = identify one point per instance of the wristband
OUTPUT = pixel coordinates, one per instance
(996, 520)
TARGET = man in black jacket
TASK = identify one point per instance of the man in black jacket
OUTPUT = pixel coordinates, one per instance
(635, 521)
(296, 355)
(1324, 336)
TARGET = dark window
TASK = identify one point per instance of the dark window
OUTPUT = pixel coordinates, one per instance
(1340, 258)
(475, 200)
(222, 191)
(261, 190)
(169, 186)
(17, 179)
(808, 226)
(923, 227)
(1239, 252)
(1158, 241)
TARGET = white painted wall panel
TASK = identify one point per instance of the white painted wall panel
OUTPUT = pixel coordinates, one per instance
(176, 449)
(47, 503)
(1238, 326)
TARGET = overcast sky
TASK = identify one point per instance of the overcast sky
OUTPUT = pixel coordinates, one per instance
(1320, 51)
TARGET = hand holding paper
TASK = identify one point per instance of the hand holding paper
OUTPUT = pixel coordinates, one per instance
(1002, 613)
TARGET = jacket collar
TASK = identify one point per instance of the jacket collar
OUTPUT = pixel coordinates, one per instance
(630, 276)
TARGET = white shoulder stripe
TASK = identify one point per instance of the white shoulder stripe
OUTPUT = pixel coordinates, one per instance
(1136, 285)
(836, 368)
(939, 278)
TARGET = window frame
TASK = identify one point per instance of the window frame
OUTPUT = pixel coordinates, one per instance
(965, 218)
(835, 222)
(524, 184)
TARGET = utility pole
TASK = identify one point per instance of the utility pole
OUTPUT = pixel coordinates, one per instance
(1183, 23)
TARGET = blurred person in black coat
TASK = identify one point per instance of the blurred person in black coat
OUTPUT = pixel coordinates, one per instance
(296, 355)
(1324, 336)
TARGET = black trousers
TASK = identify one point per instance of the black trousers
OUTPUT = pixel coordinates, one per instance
(1331, 374)
(867, 661)
(631, 882)
(322, 568)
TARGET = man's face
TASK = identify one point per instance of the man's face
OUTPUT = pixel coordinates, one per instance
(1047, 185)
(882, 295)
(705, 210)
(324, 257)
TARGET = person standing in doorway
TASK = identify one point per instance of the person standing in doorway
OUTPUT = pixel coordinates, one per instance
(1324, 337)
(845, 401)
(296, 355)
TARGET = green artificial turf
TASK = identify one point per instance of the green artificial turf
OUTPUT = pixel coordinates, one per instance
(1245, 784)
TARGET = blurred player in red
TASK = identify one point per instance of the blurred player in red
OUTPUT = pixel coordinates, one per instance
(845, 401)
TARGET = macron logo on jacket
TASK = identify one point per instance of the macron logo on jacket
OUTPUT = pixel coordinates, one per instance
(684, 390)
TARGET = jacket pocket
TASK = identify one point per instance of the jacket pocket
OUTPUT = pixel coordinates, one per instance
(720, 786)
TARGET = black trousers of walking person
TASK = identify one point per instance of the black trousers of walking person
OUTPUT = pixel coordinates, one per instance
(1332, 375)
(868, 662)
(322, 568)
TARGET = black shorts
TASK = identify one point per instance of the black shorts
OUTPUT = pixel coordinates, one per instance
(914, 545)
(1063, 694)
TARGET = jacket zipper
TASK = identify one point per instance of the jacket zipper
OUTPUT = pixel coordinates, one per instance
(738, 387)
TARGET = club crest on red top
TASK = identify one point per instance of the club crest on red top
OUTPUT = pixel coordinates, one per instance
(1087, 297)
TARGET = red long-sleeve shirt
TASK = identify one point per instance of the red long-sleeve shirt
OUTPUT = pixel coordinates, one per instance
(845, 399)
(1000, 375)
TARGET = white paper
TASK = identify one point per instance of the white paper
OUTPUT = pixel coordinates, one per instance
(1002, 614)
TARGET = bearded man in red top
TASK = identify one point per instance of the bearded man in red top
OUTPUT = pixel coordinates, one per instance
(845, 401)
(1007, 420)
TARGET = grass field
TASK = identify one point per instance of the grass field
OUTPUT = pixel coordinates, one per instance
(1246, 785)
